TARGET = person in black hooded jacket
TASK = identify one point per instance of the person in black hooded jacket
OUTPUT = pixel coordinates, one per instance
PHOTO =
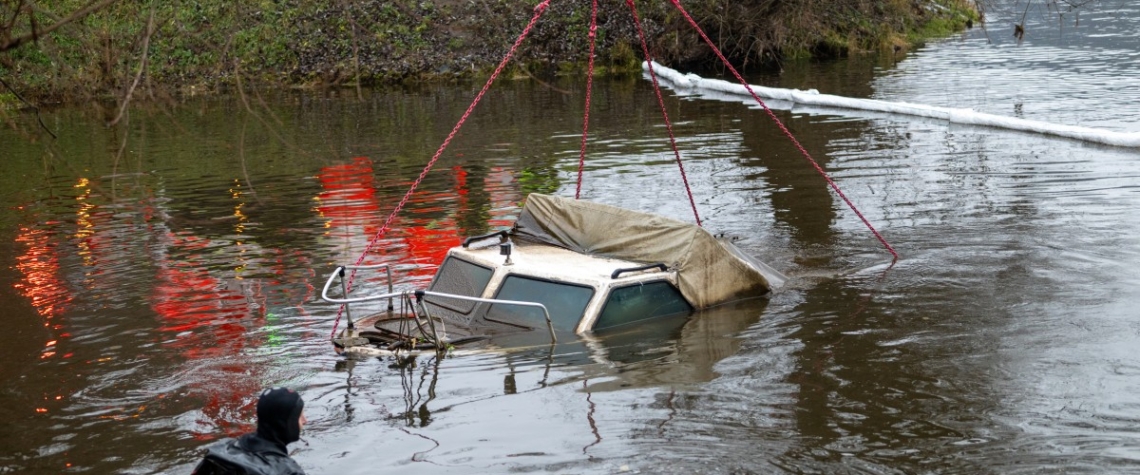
(280, 417)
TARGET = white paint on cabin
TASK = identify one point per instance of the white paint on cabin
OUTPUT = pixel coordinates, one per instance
(561, 265)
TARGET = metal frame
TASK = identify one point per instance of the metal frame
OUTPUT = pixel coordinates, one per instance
(345, 300)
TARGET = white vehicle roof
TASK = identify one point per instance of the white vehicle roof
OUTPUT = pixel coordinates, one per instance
(546, 262)
(553, 263)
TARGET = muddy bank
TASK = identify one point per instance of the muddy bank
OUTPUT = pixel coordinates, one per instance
(164, 48)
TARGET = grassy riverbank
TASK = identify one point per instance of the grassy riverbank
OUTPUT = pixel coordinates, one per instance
(148, 47)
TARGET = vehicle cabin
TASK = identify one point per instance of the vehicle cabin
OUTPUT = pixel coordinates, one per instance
(567, 265)
(581, 292)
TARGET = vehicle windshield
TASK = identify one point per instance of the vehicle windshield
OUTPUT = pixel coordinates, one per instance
(565, 302)
(459, 277)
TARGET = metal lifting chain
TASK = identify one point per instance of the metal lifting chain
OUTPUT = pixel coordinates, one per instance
(589, 90)
(664, 112)
(780, 124)
(538, 10)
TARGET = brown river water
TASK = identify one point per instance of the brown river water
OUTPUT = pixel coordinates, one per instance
(156, 275)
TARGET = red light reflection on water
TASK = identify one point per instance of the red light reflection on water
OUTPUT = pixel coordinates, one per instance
(44, 283)
(424, 231)
(350, 203)
(424, 241)
(427, 247)
(348, 196)
(205, 318)
(210, 320)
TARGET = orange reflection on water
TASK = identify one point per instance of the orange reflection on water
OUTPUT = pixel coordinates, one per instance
(84, 224)
(42, 283)
(207, 319)
(237, 194)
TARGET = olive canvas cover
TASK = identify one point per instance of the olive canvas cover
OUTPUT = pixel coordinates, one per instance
(710, 271)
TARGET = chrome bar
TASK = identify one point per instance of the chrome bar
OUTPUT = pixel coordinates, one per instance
(387, 269)
(545, 313)
(340, 271)
(327, 298)
(436, 340)
(344, 292)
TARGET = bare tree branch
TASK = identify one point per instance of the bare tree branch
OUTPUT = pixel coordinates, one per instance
(12, 21)
(245, 102)
(142, 69)
(12, 43)
(34, 108)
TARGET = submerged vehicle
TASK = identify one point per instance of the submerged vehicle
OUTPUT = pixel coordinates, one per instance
(565, 267)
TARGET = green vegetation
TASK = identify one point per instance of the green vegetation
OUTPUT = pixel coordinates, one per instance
(770, 30)
(202, 45)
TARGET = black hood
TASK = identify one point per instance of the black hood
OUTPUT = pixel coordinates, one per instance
(278, 414)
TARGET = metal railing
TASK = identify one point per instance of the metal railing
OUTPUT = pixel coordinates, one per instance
(419, 294)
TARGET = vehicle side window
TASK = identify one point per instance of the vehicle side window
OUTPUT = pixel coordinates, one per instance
(459, 277)
(638, 302)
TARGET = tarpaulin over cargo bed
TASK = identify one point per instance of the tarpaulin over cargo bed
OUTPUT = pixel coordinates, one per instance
(710, 271)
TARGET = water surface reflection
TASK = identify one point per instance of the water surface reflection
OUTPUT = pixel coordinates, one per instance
(152, 289)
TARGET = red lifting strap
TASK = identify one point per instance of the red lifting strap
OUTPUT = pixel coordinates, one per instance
(664, 113)
(774, 118)
(589, 89)
(538, 10)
